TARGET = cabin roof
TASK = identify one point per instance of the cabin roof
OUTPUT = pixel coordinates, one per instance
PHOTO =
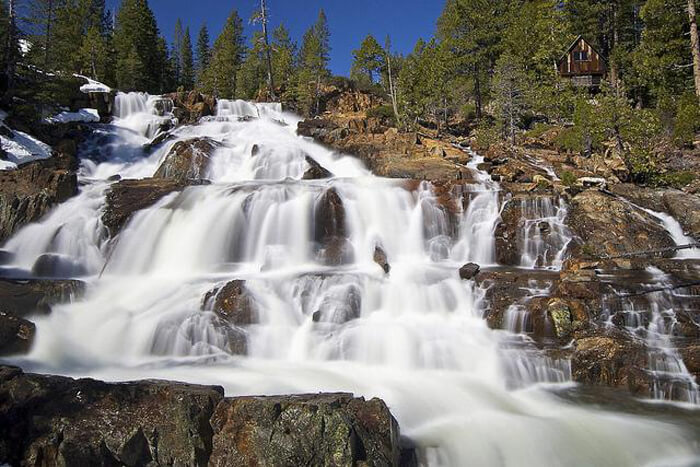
(573, 45)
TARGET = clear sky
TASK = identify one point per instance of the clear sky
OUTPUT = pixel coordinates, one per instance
(349, 20)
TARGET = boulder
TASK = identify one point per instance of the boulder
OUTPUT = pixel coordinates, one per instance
(381, 259)
(30, 191)
(315, 170)
(55, 265)
(16, 335)
(469, 271)
(126, 197)
(325, 429)
(187, 160)
(330, 231)
(610, 226)
(51, 420)
(233, 303)
(27, 297)
(616, 361)
(6, 257)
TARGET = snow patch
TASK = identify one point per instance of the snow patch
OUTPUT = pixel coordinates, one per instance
(82, 115)
(21, 148)
(92, 85)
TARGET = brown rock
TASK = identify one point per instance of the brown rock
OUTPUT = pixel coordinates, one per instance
(613, 361)
(187, 160)
(29, 192)
(328, 429)
(128, 196)
(16, 335)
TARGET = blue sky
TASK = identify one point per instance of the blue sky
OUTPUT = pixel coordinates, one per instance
(350, 20)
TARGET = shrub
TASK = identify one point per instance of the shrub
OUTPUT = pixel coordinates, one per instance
(687, 121)
(568, 178)
(677, 179)
(385, 113)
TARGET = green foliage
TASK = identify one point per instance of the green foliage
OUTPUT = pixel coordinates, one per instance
(676, 179)
(686, 122)
(140, 64)
(313, 66)
(368, 61)
(384, 112)
(187, 62)
(203, 52)
(568, 178)
(487, 135)
(283, 52)
(219, 79)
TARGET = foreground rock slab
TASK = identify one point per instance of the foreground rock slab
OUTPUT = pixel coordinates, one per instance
(53, 420)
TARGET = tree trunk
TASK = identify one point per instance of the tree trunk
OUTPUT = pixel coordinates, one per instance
(694, 45)
(392, 90)
(270, 82)
(477, 92)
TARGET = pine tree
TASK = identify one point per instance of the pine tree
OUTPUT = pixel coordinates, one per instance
(313, 65)
(137, 33)
(252, 76)
(368, 61)
(283, 52)
(187, 66)
(203, 52)
(228, 53)
(41, 21)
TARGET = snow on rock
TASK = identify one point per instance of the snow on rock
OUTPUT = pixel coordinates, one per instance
(82, 115)
(19, 148)
(92, 85)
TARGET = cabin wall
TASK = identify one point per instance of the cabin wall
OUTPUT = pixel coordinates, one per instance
(593, 66)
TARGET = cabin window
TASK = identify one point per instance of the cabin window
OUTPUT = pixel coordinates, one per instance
(580, 56)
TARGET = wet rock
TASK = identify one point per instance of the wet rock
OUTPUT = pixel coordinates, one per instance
(255, 150)
(315, 170)
(381, 259)
(330, 231)
(469, 271)
(6, 257)
(329, 298)
(30, 191)
(615, 361)
(190, 107)
(51, 420)
(235, 309)
(327, 429)
(187, 160)
(54, 265)
(233, 303)
(16, 335)
(685, 208)
(128, 196)
(610, 226)
(561, 318)
(27, 297)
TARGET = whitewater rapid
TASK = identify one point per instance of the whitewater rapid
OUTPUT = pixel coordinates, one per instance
(415, 337)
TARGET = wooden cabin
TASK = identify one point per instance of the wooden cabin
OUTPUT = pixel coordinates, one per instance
(582, 64)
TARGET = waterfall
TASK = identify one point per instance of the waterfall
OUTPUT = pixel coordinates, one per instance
(322, 315)
(651, 314)
(544, 235)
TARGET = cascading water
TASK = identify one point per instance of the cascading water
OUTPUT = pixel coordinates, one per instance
(326, 317)
(651, 314)
(543, 236)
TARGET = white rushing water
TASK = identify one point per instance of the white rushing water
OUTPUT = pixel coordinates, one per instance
(327, 318)
(651, 314)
